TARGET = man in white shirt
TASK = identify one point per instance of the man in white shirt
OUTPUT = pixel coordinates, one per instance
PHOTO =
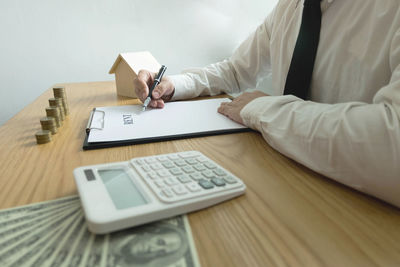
(349, 129)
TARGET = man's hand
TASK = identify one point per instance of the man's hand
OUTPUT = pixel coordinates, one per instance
(162, 93)
(232, 109)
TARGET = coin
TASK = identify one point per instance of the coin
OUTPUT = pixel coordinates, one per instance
(55, 113)
(57, 102)
(49, 123)
(43, 137)
(59, 92)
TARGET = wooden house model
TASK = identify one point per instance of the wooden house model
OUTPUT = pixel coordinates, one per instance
(126, 68)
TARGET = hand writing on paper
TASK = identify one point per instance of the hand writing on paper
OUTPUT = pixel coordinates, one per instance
(232, 109)
(162, 93)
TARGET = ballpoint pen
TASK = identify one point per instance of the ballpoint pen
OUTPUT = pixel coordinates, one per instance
(157, 80)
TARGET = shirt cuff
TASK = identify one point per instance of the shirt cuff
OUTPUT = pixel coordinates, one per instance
(183, 86)
(260, 107)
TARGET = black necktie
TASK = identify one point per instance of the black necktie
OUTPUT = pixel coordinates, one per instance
(299, 75)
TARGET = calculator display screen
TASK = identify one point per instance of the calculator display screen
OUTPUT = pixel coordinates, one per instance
(121, 188)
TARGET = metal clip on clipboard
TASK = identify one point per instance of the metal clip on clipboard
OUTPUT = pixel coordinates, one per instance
(89, 125)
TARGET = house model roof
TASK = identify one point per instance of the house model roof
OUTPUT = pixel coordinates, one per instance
(137, 61)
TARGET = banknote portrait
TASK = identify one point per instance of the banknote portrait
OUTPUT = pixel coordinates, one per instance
(152, 245)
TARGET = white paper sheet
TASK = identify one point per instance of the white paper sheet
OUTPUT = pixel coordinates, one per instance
(176, 118)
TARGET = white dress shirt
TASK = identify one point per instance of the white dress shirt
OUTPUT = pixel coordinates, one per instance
(349, 131)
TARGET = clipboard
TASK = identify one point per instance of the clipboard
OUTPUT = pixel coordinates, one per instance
(128, 125)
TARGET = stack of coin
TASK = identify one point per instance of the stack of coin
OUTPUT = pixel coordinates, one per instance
(43, 137)
(49, 123)
(59, 92)
(55, 113)
(57, 102)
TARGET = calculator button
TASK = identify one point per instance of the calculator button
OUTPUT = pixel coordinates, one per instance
(139, 161)
(191, 161)
(159, 183)
(206, 184)
(156, 166)
(163, 173)
(162, 158)
(209, 174)
(152, 175)
(150, 160)
(218, 181)
(179, 190)
(230, 180)
(167, 192)
(189, 154)
(180, 163)
(184, 179)
(196, 176)
(219, 172)
(146, 168)
(209, 165)
(199, 167)
(179, 176)
(202, 159)
(193, 187)
(171, 181)
(176, 171)
(188, 169)
(168, 165)
(173, 157)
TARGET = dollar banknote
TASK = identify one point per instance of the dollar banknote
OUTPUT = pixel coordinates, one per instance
(63, 253)
(21, 211)
(164, 243)
(55, 233)
(44, 245)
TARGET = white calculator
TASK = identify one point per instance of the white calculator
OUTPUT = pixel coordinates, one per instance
(119, 195)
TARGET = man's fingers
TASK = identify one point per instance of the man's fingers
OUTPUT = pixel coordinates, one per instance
(225, 110)
(162, 89)
(163, 92)
(156, 103)
(223, 107)
(141, 89)
(146, 76)
(153, 103)
(231, 110)
(160, 103)
(142, 82)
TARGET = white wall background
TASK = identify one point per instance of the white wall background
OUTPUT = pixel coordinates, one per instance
(44, 42)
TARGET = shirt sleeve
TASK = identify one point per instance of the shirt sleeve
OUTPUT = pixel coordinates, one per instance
(354, 143)
(249, 63)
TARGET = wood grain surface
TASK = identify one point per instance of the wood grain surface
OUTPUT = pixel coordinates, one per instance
(289, 215)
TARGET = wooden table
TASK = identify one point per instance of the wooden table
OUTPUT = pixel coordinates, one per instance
(289, 215)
